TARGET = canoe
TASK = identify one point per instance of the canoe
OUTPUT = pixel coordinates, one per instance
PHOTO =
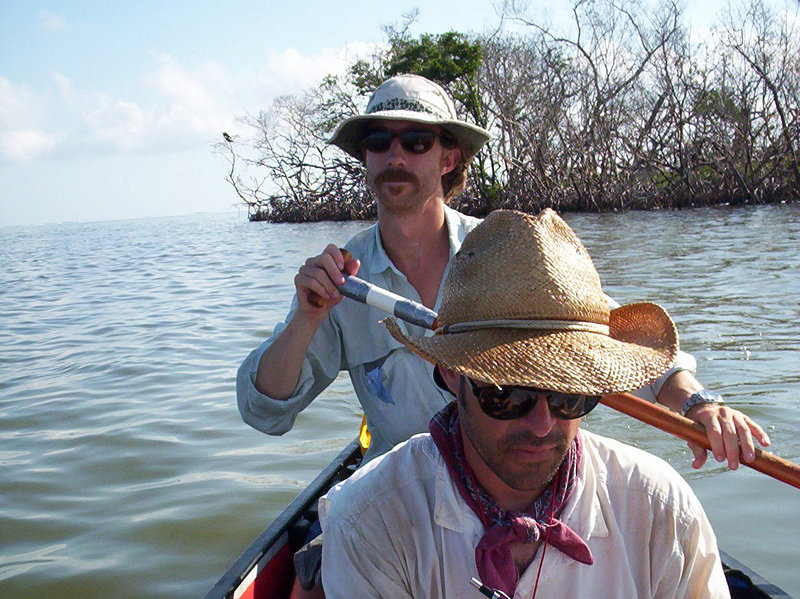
(265, 570)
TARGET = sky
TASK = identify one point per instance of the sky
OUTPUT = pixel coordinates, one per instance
(109, 110)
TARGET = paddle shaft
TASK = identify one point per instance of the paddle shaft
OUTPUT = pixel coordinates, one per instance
(675, 424)
(657, 416)
(377, 297)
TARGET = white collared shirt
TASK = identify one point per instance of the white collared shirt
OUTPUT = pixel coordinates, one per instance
(398, 528)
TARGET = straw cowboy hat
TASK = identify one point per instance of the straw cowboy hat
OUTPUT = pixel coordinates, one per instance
(410, 98)
(522, 305)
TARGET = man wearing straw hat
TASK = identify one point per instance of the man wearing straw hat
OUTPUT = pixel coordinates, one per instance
(506, 493)
(416, 153)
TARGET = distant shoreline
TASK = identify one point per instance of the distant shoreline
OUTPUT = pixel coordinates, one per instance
(334, 212)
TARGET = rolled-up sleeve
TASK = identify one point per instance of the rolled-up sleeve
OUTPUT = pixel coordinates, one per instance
(321, 365)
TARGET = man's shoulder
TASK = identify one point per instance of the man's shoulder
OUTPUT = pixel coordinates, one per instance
(629, 469)
(363, 240)
(461, 219)
(397, 476)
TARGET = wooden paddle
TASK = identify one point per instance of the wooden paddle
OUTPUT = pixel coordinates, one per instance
(654, 415)
(680, 426)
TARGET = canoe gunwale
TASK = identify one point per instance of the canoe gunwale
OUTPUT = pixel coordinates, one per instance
(249, 559)
(760, 584)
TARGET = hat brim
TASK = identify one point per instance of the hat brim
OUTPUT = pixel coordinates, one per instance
(348, 134)
(641, 347)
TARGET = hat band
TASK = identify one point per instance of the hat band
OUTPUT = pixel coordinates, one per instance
(403, 104)
(543, 325)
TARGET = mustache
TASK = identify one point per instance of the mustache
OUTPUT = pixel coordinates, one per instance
(527, 439)
(395, 175)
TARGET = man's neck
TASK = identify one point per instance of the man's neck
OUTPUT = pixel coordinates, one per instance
(417, 243)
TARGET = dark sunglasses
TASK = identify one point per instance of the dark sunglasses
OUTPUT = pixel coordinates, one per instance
(508, 403)
(414, 141)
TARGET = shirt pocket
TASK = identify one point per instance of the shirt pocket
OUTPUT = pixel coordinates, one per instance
(374, 375)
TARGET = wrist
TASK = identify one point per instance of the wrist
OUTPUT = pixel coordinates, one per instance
(703, 396)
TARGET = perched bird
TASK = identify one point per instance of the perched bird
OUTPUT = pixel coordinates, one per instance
(227, 137)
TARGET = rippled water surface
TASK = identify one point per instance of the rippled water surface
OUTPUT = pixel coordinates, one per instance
(125, 470)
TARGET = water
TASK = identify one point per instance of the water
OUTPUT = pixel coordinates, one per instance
(125, 470)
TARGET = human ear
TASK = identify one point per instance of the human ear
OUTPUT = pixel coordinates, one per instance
(450, 159)
(450, 377)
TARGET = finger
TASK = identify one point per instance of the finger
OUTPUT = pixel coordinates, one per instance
(337, 254)
(700, 455)
(324, 268)
(352, 266)
(758, 432)
(745, 439)
(313, 290)
(731, 440)
(332, 261)
(715, 438)
(314, 277)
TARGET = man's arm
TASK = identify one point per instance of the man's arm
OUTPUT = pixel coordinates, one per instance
(280, 365)
(727, 429)
(305, 361)
(685, 562)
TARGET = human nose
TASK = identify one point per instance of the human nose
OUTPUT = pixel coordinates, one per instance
(540, 420)
(395, 153)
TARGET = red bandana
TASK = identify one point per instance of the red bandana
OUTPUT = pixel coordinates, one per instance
(493, 553)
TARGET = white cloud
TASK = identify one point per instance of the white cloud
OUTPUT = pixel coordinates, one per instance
(194, 100)
(289, 71)
(179, 107)
(51, 21)
(22, 134)
(119, 123)
(25, 145)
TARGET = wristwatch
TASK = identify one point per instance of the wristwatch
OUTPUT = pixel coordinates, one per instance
(702, 396)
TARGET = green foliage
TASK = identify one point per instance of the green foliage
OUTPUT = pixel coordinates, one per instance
(444, 58)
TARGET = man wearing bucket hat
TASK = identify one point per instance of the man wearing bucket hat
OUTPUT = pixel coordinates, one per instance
(506, 489)
(416, 153)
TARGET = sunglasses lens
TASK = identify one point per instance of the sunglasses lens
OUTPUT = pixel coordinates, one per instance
(505, 403)
(569, 405)
(417, 142)
(508, 403)
(414, 142)
(377, 141)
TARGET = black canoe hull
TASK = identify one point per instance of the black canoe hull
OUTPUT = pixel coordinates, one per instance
(265, 569)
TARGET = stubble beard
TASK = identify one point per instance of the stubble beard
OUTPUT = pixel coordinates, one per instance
(498, 455)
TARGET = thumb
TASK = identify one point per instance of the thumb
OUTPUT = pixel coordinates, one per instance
(700, 455)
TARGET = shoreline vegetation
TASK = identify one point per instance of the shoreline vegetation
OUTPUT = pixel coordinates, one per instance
(624, 111)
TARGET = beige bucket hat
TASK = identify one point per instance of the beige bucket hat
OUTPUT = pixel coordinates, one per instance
(522, 305)
(410, 98)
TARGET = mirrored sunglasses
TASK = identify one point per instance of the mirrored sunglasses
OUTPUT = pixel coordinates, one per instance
(509, 402)
(414, 141)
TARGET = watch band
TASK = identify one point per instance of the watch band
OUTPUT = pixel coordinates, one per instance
(702, 396)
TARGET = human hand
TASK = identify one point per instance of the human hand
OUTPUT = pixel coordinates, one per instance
(317, 279)
(728, 431)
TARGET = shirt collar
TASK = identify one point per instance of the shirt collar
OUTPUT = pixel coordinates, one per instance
(379, 261)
